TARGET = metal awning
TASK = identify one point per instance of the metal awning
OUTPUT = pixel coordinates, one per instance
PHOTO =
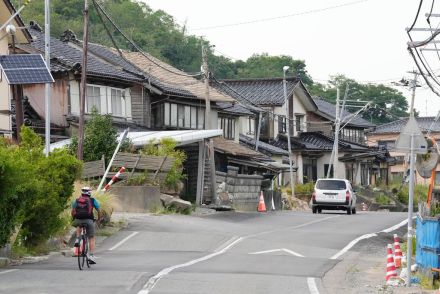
(140, 139)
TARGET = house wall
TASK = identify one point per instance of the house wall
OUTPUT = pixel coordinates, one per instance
(398, 169)
(139, 97)
(299, 109)
(316, 123)
(59, 100)
(325, 159)
(105, 95)
(5, 92)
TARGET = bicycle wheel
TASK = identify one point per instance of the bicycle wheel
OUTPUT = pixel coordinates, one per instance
(80, 254)
(86, 251)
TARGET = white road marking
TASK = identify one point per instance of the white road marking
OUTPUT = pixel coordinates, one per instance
(8, 271)
(366, 236)
(395, 227)
(124, 240)
(312, 286)
(281, 249)
(153, 281)
(351, 244)
(227, 245)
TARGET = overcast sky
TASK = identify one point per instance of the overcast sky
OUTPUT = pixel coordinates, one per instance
(362, 39)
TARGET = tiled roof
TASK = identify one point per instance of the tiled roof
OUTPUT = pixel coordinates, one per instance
(328, 110)
(262, 92)
(397, 125)
(262, 146)
(315, 141)
(72, 54)
(173, 77)
(235, 109)
(235, 149)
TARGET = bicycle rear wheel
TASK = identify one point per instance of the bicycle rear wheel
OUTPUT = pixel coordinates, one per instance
(86, 251)
(80, 254)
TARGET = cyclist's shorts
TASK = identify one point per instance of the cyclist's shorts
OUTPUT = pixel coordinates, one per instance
(90, 225)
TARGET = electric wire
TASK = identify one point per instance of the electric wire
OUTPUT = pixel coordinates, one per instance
(138, 48)
(280, 17)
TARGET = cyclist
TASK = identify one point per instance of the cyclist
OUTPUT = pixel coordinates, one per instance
(82, 213)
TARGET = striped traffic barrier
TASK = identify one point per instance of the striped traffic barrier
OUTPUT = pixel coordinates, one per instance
(114, 178)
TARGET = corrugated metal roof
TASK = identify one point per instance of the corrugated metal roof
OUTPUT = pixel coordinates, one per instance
(235, 149)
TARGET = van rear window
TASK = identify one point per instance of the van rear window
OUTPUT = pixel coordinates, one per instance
(331, 185)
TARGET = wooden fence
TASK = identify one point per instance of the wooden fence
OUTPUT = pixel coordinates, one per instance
(156, 167)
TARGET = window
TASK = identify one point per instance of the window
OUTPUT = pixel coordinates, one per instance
(251, 127)
(228, 127)
(299, 121)
(326, 167)
(178, 116)
(93, 98)
(282, 125)
(116, 96)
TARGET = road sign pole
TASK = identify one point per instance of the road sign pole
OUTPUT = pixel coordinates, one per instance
(410, 211)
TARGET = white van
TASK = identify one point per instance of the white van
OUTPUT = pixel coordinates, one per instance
(333, 194)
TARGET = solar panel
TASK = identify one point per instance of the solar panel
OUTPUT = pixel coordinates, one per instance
(23, 69)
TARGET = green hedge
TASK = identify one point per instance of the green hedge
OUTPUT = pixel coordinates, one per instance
(34, 188)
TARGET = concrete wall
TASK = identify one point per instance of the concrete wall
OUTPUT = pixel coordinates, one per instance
(244, 190)
(136, 198)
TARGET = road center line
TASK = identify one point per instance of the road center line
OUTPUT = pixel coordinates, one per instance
(226, 246)
(312, 286)
(124, 240)
(8, 271)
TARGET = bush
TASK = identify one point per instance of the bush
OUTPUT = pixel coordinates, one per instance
(420, 194)
(35, 189)
(167, 147)
(100, 138)
(383, 199)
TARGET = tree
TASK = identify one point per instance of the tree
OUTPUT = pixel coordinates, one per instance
(100, 138)
(387, 105)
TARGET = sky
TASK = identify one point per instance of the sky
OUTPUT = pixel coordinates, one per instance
(365, 40)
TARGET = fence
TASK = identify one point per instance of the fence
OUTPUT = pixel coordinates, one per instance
(157, 167)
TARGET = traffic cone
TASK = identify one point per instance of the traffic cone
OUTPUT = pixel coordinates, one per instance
(391, 268)
(261, 205)
(397, 252)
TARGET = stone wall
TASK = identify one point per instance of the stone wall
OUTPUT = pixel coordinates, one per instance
(243, 191)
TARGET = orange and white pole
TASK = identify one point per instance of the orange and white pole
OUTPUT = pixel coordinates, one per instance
(114, 178)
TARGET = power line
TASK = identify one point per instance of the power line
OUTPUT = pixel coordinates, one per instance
(137, 47)
(280, 17)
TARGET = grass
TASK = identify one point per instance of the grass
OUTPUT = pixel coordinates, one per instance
(382, 199)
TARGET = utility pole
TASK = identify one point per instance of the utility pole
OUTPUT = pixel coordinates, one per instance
(47, 86)
(289, 149)
(211, 152)
(411, 182)
(83, 86)
(336, 143)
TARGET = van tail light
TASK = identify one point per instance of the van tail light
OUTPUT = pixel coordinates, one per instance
(314, 196)
(347, 196)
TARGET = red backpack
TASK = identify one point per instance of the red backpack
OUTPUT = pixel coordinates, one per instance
(84, 208)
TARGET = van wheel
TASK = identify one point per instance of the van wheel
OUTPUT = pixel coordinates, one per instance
(348, 210)
(319, 210)
(314, 209)
(353, 211)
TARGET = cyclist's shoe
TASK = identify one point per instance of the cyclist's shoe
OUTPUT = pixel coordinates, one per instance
(91, 259)
(76, 243)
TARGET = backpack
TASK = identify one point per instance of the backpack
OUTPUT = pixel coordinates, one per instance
(84, 208)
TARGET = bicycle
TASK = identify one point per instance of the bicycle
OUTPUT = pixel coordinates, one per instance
(83, 249)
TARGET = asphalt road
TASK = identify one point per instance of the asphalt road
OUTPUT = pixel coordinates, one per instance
(282, 252)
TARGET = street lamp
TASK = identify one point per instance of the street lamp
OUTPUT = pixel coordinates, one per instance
(286, 103)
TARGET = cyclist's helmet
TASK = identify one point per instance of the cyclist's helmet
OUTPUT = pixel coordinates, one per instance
(86, 191)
